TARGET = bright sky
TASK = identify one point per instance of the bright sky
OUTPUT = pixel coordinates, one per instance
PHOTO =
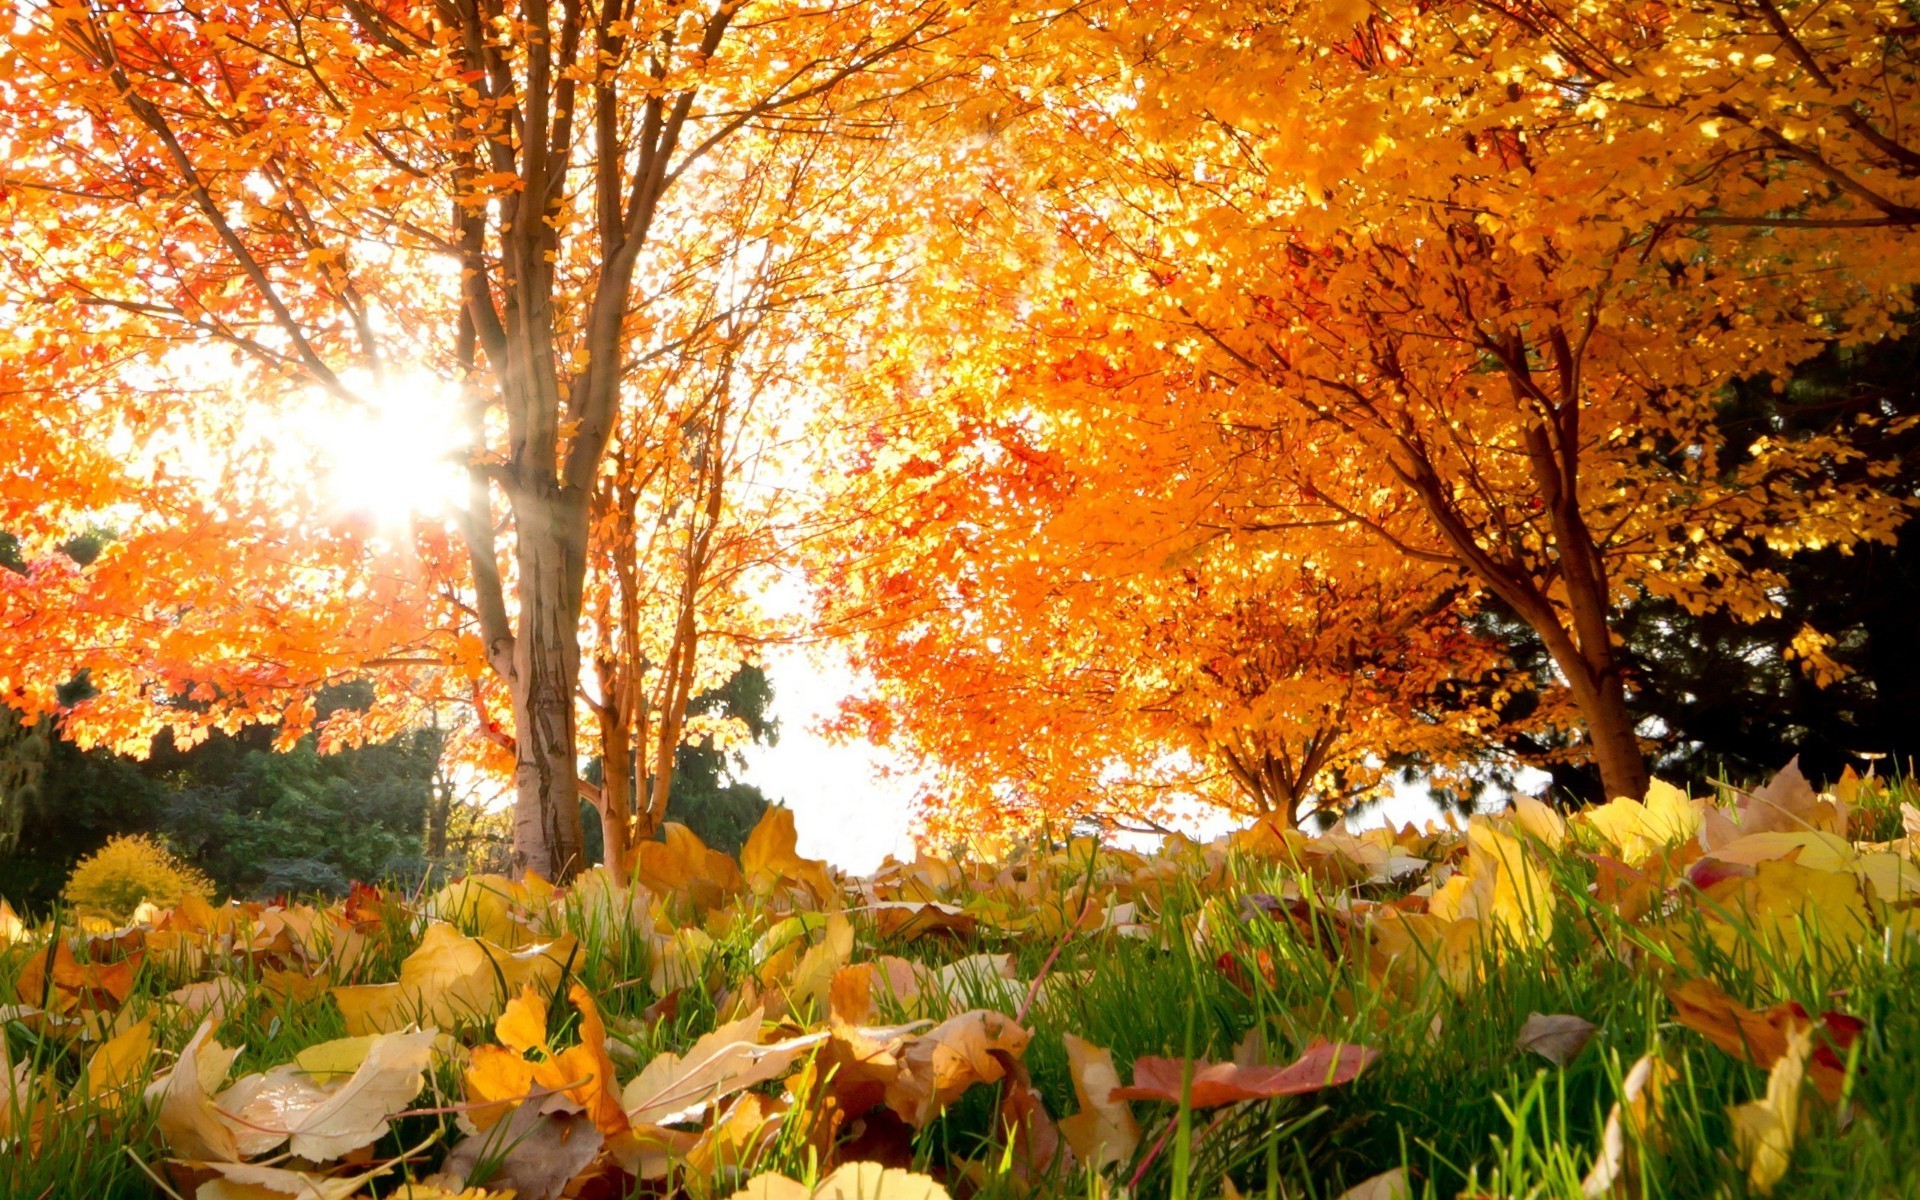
(846, 808)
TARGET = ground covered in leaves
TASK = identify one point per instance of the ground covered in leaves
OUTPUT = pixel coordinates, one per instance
(1675, 997)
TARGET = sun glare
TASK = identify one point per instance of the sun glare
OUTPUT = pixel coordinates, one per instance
(394, 457)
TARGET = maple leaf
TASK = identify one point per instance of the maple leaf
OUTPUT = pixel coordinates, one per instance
(1761, 1038)
(1321, 1065)
(768, 858)
(324, 1121)
(69, 984)
(1786, 804)
(185, 1114)
(677, 1087)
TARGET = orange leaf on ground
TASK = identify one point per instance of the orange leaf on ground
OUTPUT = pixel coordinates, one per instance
(1323, 1065)
(1762, 1038)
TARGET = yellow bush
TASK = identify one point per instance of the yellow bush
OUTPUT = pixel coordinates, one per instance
(115, 879)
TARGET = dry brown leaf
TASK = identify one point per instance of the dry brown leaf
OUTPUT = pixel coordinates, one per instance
(850, 1181)
(534, 1154)
(946, 1060)
(678, 1087)
(1559, 1038)
(323, 1122)
(1388, 1185)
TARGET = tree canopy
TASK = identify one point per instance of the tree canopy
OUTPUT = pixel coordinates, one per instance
(1243, 402)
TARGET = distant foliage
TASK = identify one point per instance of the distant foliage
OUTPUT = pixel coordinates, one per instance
(267, 824)
(130, 870)
(256, 822)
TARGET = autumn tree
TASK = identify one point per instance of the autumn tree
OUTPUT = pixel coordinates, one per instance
(1439, 275)
(326, 199)
(1048, 636)
(692, 516)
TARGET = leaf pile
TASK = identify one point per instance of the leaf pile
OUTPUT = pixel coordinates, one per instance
(768, 1028)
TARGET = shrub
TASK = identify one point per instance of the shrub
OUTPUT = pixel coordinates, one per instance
(115, 879)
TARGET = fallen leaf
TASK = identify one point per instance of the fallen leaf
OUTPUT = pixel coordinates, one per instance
(1632, 1115)
(1103, 1132)
(850, 1181)
(1388, 1185)
(940, 1064)
(1786, 804)
(1641, 830)
(1558, 1038)
(323, 1123)
(769, 858)
(678, 1087)
(329, 1062)
(1763, 1129)
(1323, 1065)
(681, 864)
(117, 1064)
(255, 1181)
(67, 983)
(534, 1154)
(451, 979)
(1762, 1038)
(185, 1116)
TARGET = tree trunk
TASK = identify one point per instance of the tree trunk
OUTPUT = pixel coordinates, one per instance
(546, 671)
(439, 810)
(1601, 697)
(616, 781)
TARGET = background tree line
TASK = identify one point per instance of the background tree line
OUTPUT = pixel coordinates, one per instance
(263, 822)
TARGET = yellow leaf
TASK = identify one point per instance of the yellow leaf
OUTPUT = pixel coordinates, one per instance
(118, 1063)
(1639, 831)
(451, 979)
(1789, 908)
(523, 1024)
(1103, 1131)
(770, 856)
(183, 1098)
(1763, 1129)
(1540, 821)
(327, 1062)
